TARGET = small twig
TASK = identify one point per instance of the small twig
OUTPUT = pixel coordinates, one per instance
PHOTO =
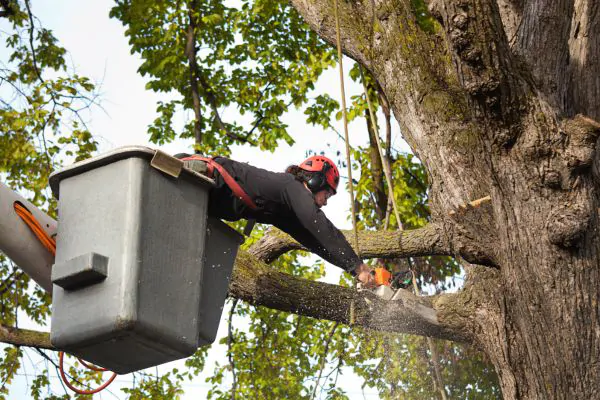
(417, 180)
(47, 368)
(338, 369)
(43, 133)
(324, 357)
(8, 375)
(17, 274)
(259, 120)
(19, 91)
(44, 355)
(261, 116)
(212, 101)
(31, 30)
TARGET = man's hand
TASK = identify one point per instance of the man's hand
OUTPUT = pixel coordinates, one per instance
(364, 274)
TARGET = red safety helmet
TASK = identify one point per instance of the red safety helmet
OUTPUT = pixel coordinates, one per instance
(326, 173)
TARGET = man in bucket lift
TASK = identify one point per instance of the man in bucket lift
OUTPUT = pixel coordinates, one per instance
(291, 201)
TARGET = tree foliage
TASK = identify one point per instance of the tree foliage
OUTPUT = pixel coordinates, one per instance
(254, 60)
(40, 106)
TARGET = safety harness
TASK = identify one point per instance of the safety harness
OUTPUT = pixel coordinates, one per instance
(229, 180)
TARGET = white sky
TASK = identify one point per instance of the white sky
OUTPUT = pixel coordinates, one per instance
(99, 50)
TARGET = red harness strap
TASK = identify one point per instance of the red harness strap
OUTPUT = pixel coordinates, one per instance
(233, 185)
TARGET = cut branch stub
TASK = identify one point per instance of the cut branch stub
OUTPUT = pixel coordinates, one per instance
(567, 224)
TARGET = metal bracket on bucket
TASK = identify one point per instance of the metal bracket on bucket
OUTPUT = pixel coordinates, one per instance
(168, 164)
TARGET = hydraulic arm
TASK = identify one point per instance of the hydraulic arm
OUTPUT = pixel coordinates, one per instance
(18, 242)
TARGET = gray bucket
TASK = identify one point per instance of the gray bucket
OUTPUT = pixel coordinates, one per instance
(141, 274)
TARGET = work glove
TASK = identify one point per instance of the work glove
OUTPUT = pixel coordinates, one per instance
(198, 166)
(364, 275)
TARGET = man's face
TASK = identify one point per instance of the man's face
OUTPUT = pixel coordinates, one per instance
(321, 197)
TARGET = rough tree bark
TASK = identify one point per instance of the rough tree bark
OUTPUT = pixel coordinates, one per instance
(501, 97)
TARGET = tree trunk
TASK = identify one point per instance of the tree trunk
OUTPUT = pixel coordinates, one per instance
(499, 98)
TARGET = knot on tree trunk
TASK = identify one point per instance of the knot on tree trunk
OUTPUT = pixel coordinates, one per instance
(464, 41)
(582, 135)
(552, 179)
(473, 234)
(567, 223)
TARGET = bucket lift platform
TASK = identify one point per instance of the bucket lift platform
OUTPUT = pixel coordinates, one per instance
(141, 273)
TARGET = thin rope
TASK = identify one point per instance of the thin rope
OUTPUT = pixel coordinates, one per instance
(345, 116)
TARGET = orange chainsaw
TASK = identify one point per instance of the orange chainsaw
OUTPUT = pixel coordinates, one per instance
(388, 283)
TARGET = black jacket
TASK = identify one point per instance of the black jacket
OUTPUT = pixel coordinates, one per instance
(285, 203)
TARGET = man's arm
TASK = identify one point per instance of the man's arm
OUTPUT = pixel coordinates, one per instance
(314, 230)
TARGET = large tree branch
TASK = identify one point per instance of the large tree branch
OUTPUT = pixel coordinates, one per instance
(431, 240)
(256, 283)
(446, 316)
(259, 284)
(372, 244)
(25, 337)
